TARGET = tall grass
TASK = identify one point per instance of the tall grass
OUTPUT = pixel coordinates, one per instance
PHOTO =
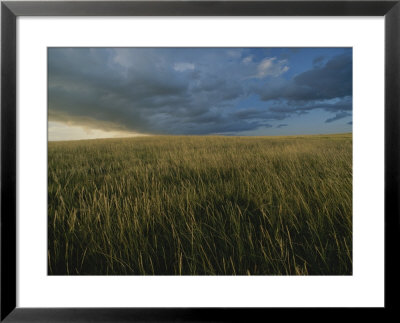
(201, 205)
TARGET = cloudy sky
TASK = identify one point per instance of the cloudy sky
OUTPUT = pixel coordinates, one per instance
(117, 92)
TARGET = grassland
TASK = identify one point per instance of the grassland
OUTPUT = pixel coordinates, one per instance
(206, 205)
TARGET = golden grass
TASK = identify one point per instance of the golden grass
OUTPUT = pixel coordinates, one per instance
(201, 205)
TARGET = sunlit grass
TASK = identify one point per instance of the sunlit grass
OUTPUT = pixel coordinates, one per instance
(201, 205)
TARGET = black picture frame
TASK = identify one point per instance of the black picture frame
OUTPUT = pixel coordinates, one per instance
(10, 10)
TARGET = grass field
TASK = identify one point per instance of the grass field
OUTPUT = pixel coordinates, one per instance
(201, 205)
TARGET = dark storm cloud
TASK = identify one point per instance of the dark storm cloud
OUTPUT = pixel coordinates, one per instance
(338, 116)
(333, 80)
(303, 106)
(282, 125)
(188, 91)
(263, 114)
(139, 91)
(325, 86)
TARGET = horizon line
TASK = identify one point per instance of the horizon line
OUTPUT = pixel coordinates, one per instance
(207, 135)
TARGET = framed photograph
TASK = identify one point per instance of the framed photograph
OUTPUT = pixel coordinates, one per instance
(197, 161)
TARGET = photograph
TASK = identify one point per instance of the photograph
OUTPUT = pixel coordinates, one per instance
(200, 161)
